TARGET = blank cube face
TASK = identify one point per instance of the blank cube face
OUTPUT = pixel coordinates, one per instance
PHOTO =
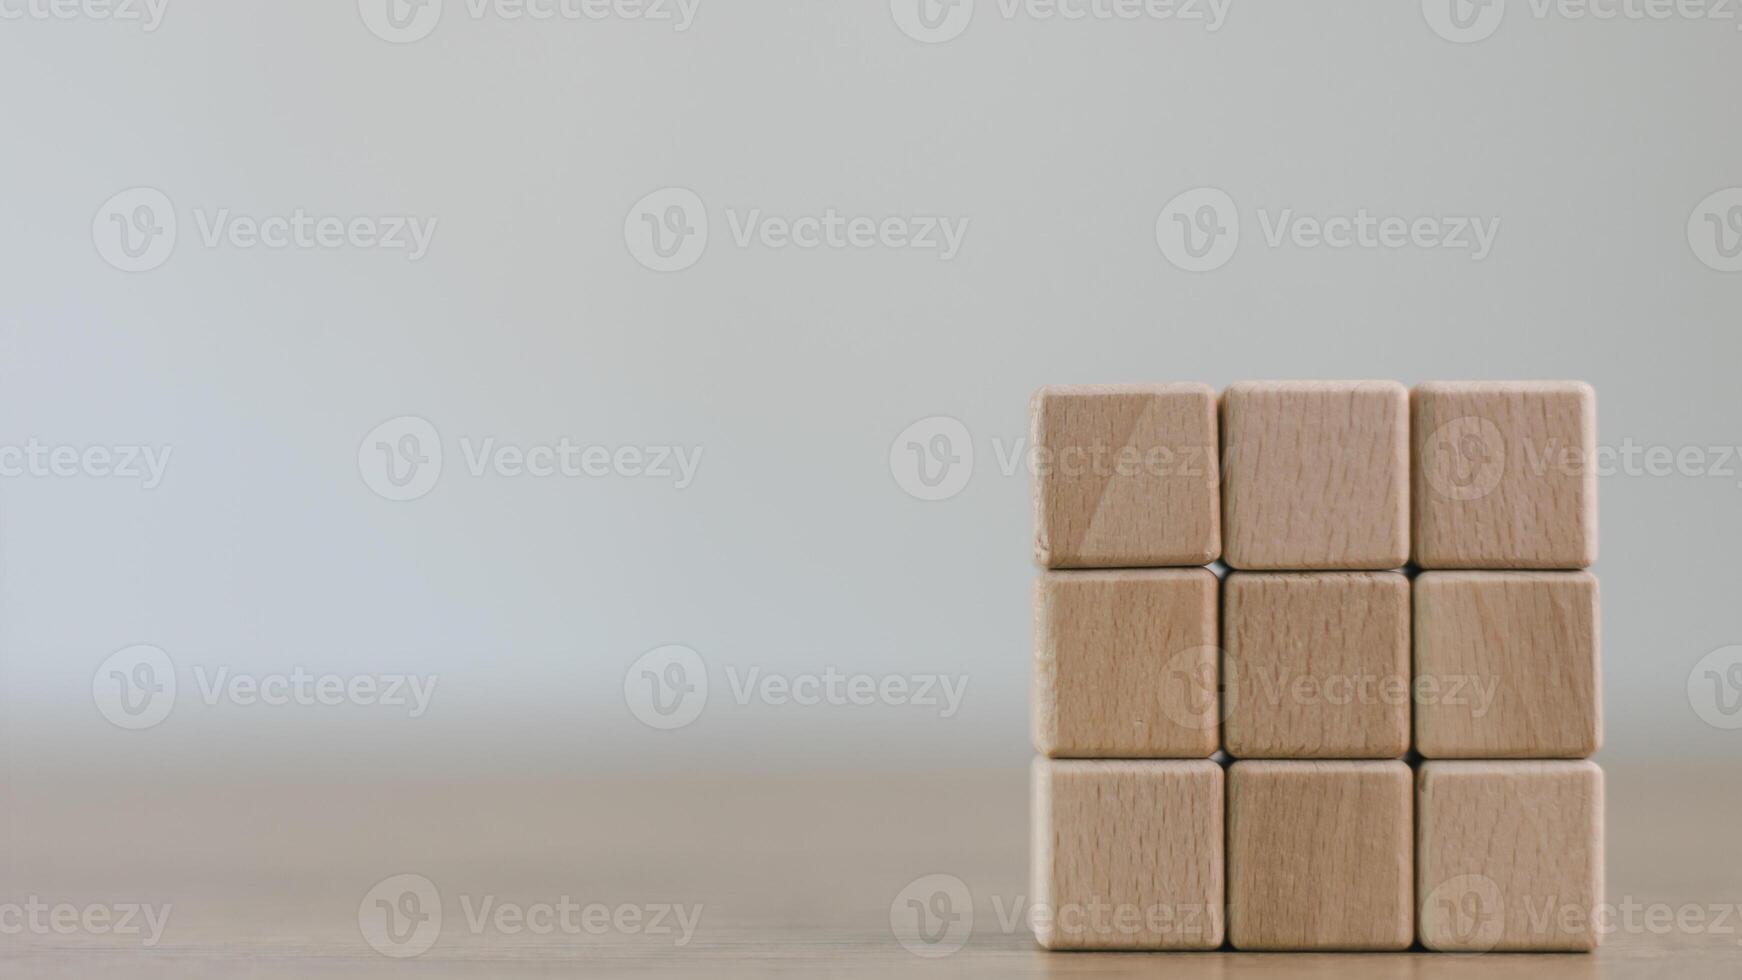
(1507, 665)
(1126, 476)
(1317, 665)
(1125, 663)
(1316, 475)
(1320, 856)
(1511, 855)
(1505, 474)
(1127, 855)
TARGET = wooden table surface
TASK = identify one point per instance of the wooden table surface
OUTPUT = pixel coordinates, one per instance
(795, 875)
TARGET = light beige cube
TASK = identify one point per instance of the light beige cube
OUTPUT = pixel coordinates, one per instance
(1510, 855)
(1505, 474)
(1317, 665)
(1127, 854)
(1125, 663)
(1507, 665)
(1126, 476)
(1316, 475)
(1320, 856)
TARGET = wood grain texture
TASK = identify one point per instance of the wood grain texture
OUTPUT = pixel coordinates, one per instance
(1317, 665)
(1316, 475)
(1320, 856)
(1128, 855)
(1505, 474)
(1125, 663)
(1508, 665)
(1126, 476)
(1510, 855)
(796, 870)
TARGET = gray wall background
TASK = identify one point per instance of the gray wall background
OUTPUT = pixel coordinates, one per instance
(796, 549)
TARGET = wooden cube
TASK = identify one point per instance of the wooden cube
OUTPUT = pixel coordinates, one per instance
(1320, 856)
(1317, 665)
(1507, 665)
(1126, 476)
(1505, 474)
(1125, 663)
(1316, 475)
(1510, 855)
(1127, 855)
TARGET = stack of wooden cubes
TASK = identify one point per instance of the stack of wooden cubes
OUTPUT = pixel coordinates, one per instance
(1407, 754)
